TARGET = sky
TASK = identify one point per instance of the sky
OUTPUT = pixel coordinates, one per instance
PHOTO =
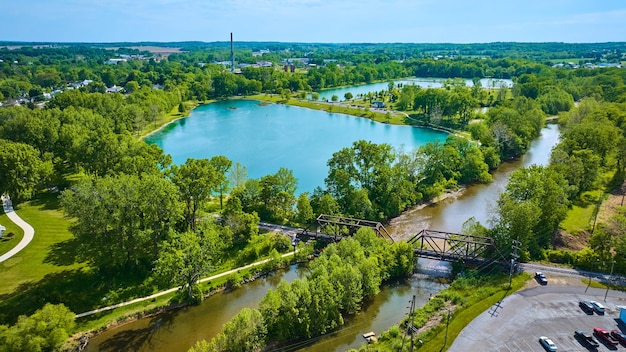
(314, 21)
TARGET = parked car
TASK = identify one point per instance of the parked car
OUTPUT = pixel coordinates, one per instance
(586, 338)
(541, 278)
(619, 336)
(598, 307)
(586, 306)
(604, 336)
(547, 344)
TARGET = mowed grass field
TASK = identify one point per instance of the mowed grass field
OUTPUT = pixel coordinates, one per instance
(44, 255)
(8, 242)
(27, 277)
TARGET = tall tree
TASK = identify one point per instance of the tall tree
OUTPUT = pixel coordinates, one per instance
(196, 179)
(238, 175)
(222, 165)
(120, 219)
(22, 170)
(185, 258)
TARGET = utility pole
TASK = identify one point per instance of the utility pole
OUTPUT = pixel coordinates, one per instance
(410, 328)
(610, 278)
(590, 273)
(515, 246)
(445, 338)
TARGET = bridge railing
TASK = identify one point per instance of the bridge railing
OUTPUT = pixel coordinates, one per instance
(337, 224)
(450, 246)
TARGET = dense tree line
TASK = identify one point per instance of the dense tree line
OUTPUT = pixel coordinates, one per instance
(537, 198)
(30, 72)
(135, 211)
(338, 282)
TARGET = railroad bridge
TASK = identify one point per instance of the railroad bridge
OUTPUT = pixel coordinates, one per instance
(432, 244)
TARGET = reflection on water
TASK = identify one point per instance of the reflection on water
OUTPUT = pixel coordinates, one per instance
(180, 329)
(476, 201)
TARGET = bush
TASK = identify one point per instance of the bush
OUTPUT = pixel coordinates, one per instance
(561, 256)
(234, 280)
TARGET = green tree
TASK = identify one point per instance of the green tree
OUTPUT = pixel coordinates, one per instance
(277, 195)
(348, 96)
(222, 165)
(285, 311)
(131, 87)
(238, 175)
(122, 219)
(533, 205)
(245, 332)
(243, 225)
(334, 98)
(196, 179)
(46, 330)
(36, 93)
(185, 258)
(305, 211)
(22, 170)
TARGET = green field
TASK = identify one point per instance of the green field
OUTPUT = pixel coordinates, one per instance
(8, 242)
(49, 253)
(582, 213)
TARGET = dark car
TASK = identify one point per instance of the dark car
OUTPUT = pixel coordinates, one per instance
(605, 337)
(586, 339)
(598, 307)
(586, 306)
(541, 278)
(619, 336)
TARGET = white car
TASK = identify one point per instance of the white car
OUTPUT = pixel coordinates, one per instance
(598, 307)
(547, 344)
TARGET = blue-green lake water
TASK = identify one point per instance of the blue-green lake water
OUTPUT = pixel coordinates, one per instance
(327, 94)
(265, 138)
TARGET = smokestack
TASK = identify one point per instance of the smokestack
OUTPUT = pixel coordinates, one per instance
(232, 54)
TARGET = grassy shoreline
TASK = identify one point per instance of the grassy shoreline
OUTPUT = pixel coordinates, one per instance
(348, 108)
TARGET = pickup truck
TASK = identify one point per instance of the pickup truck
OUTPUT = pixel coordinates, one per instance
(605, 337)
(586, 339)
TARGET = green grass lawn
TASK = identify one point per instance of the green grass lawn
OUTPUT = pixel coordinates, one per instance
(478, 301)
(6, 242)
(50, 255)
(580, 216)
(394, 119)
(45, 255)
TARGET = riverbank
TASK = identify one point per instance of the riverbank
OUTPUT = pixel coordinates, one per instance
(166, 301)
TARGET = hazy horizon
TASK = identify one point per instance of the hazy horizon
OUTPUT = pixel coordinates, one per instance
(314, 21)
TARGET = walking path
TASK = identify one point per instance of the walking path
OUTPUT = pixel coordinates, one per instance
(175, 288)
(29, 232)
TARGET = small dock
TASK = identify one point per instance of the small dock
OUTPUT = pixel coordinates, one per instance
(370, 337)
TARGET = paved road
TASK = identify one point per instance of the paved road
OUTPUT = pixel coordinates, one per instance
(518, 321)
(29, 232)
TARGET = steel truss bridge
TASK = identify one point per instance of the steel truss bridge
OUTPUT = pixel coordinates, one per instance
(334, 228)
(453, 247)
(432, 244)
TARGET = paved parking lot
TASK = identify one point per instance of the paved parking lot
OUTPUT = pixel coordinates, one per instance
(550, 311)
